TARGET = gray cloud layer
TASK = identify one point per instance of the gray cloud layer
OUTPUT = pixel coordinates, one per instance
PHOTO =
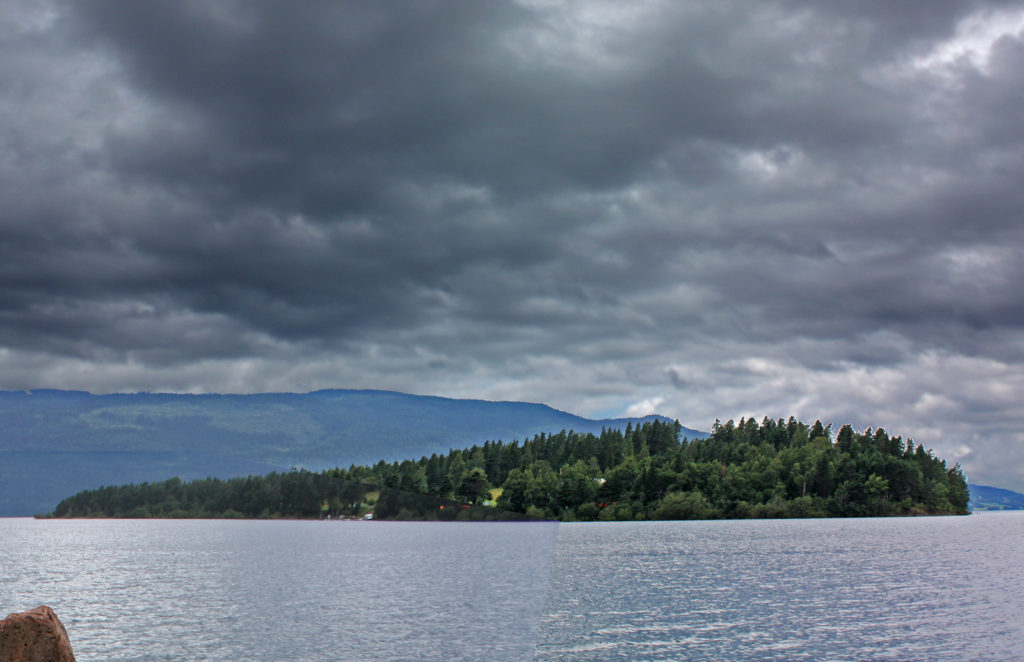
(708, 209)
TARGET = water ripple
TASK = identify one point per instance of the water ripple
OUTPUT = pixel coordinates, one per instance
(218, 590)
(882, 589)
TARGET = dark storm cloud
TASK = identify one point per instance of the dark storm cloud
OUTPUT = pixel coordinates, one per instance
(713, 209)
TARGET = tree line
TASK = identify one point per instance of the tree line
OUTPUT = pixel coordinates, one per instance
(775, 468)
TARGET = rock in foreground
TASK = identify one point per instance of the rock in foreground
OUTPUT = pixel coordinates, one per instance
(36, 635)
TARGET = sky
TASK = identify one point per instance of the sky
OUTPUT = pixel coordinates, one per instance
(707, 210)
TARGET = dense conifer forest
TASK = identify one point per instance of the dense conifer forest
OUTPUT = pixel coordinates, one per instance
(775, 468)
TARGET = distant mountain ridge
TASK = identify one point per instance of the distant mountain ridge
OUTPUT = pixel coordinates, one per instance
(55, 443)
(984, 497)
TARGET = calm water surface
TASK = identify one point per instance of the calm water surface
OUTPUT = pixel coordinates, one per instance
(885, 589)
(934, 588)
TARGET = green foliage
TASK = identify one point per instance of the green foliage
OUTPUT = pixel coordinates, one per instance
(295, 494)
(474, 486)
(772, 469)
(684, 505)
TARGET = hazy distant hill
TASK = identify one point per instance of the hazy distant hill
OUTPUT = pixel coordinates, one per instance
(984, 497)
(56, 443)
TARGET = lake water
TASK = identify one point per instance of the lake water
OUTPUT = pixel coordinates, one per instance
(900, 589)
(932, 588)
(151, 590)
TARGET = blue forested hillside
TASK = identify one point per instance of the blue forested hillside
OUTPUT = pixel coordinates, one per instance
(56, 443)
(984, 497)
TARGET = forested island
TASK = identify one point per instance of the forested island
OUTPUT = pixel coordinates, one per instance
(775, 468)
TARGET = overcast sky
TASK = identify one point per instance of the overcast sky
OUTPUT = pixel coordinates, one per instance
(706, 210)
